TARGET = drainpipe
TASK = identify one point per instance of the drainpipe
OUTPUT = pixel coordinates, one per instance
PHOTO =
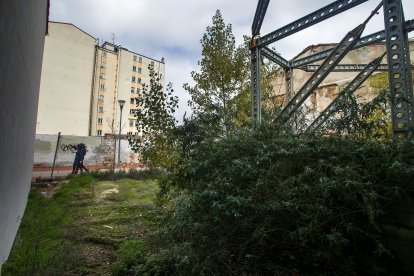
(92, 99)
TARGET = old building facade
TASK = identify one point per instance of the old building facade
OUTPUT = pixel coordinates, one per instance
(82, 82)
(332, 85)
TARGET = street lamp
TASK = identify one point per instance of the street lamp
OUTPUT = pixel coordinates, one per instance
(121, 105)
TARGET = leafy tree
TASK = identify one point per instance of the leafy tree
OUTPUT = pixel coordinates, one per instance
(155, 123)
(223, 74)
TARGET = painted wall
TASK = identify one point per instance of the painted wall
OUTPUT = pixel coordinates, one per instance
(66, 83)
(100, 150)
(23, 27)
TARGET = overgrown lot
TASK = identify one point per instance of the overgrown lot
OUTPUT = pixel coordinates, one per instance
(79, 226)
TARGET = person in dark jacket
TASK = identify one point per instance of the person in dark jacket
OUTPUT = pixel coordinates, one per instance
(77, 158)
(81, 156)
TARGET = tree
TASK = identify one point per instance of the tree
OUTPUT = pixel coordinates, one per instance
(223, 72)
(155, 123)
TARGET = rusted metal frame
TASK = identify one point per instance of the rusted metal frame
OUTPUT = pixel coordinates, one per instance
(345, 93)
(399, 73)
(309, 20)
(259, 16)
(345, 68)
(363, 41)
(276, 58)
(255, 84)
(326, 67)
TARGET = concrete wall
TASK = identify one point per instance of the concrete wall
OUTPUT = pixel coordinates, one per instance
(100, 150)
(66, 83)
(22, 28)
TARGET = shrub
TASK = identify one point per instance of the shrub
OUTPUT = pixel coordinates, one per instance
(264, 202)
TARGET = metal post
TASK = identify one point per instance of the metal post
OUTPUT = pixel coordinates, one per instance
(399, 73)
(54, 158)
(121, 105)
(255, 82)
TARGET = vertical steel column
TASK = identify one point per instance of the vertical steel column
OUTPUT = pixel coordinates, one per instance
(289, 84)
(255, 82)
(399, 71)
(54, 158)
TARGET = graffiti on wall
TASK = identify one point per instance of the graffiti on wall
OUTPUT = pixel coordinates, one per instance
(69, 147)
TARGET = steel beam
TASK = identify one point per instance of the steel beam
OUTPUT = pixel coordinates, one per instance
(326, 67)
(309, 20)
(399, 74)
(363, 41)
(255, 83)
(259, 16)
(345, 68)
(289, 84)
(346, 92)
(274, 57)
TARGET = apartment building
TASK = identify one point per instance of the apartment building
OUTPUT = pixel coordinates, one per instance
(82, 82)
(120, 75)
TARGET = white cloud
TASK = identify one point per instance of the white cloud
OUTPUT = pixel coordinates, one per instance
(173, 29)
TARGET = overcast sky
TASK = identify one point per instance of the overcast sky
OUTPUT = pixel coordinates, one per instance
(173, 28)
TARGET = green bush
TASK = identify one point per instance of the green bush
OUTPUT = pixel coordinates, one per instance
(264, 202)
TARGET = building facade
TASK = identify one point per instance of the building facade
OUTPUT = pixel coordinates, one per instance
(82, 82)
(335, 81)
(120, 75)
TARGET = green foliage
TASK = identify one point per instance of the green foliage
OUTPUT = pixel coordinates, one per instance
(362, 121)
(224, 70)
(37, 249)
(263, 202)
(155, 122)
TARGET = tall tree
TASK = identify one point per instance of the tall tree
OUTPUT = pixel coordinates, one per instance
(223, 72)
(155, 123)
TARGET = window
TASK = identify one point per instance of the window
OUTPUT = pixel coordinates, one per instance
(132, 100)
(133, 79)
(139, 80)
(103, 76)
(101, 97)
(152, 63)
(100, 110)
(99, 132)
(135, 58)
(132, 90)
(104, 53)
(131, 123)
(134, 69)
(103, 64)
(131, 111)
(100, 121)
(102, 86)
(138, 90)
(139, 70)
(160, 76)
(140, 59)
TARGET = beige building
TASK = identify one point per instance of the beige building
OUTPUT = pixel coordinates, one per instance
(331, 86)
(82, 82)
(120, 75)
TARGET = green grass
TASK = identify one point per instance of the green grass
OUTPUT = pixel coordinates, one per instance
(79, 230)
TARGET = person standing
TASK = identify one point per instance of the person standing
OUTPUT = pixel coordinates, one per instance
(77, 158)
(82, 153)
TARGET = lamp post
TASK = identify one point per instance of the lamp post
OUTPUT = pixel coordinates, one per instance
(121, 105)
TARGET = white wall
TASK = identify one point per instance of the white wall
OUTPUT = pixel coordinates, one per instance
(22, 28)
(66, 83)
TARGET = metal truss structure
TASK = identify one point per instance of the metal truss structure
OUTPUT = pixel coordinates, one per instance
(398, 64)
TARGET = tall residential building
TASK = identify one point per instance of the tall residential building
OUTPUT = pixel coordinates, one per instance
(82, 82)
(119, 75)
